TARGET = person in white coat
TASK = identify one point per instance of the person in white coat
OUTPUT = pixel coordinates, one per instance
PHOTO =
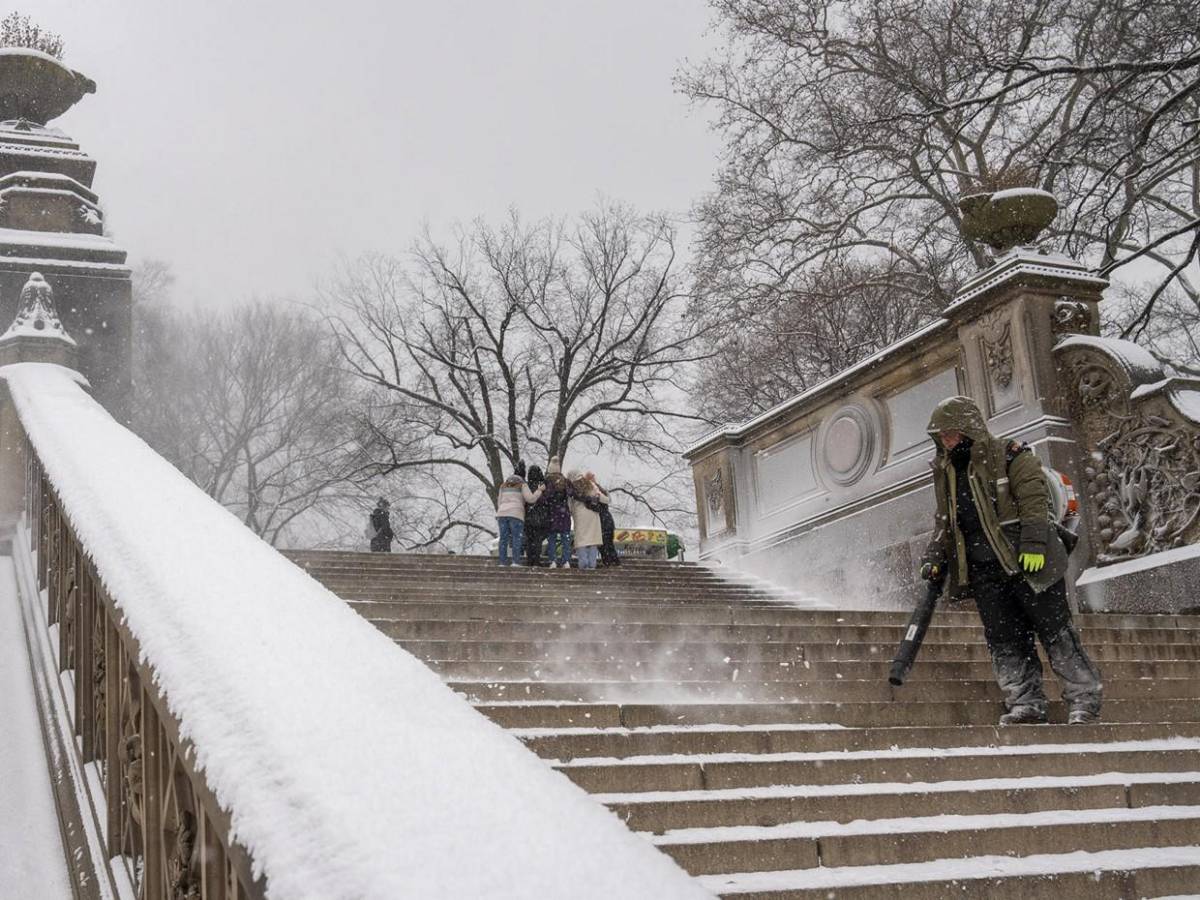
(586, 500)
(511, 498)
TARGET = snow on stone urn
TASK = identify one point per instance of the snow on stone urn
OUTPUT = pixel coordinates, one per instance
(36, 87)
(1007, 218)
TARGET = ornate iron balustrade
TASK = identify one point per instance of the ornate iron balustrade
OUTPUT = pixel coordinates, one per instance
(162, 827)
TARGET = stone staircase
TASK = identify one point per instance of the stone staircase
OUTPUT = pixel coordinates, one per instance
(759, 744)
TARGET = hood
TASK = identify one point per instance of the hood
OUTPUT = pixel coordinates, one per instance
(957, 414)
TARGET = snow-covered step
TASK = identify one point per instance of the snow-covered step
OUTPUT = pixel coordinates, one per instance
(733, 770)
(671, 740)
(667, 690)
(720, 633)
(862, 714)
(1143, 872)
(687, 652)
(660, 812)
(797, 845)
(719, 670)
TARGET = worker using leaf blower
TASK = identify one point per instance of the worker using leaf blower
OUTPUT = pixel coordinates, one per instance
(995, 539)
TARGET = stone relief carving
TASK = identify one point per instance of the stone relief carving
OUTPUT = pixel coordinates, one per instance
(1096, 388)
(36, 313)
(1142, 473)
(1144, 480)
(714, 492)
(714, 499)
(996, 338)
(1070, 317)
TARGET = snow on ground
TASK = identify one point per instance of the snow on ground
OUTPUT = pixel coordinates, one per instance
(350, 769)
(31, 852)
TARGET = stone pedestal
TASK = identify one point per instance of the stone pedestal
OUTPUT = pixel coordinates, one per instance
(52, 222)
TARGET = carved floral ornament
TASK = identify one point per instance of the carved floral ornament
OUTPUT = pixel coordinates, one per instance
(996, 339)
(1070, 317)
(714, 492)
(36, 313)
(1142, 475)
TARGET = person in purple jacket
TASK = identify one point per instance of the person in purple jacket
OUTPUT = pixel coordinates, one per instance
(557, 497)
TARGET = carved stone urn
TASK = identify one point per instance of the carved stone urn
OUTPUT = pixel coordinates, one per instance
(36, 87)
(1007, 218)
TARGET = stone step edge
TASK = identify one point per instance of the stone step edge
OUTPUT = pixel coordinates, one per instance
(554, 731)
(1154, 745)
(922, 825)
(458, 684)
(970, 869)
(871, 789)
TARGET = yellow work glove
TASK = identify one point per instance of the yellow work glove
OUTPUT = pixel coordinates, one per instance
(1033, 562)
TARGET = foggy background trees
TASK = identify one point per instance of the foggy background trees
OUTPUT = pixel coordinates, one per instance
(851, 129)
(250, 404)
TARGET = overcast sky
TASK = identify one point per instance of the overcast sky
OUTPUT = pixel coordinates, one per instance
(249, 143)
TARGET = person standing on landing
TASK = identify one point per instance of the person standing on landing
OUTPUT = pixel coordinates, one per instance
(608, 528)
(588, 532)
(558, 500)
(995, 539)
(511, 499)
(537, 519)
(380, 530)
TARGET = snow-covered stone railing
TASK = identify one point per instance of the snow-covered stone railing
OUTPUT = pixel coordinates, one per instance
(252, 736)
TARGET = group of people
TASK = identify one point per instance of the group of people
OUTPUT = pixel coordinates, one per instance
(564, 512)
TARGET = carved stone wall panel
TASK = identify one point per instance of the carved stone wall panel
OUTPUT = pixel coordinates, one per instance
(1141, 466)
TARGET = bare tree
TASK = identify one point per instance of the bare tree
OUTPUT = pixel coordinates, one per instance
(253, 406)
(543, 338)
(826, 320)
(853, 127)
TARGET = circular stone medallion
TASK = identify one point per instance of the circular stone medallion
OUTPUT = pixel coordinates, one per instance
(849, 441)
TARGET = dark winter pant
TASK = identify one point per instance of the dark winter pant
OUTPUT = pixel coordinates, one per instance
(534, 538)
(608, 550)
(1013, 615)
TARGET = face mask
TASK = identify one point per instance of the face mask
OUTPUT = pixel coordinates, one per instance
(961, 451)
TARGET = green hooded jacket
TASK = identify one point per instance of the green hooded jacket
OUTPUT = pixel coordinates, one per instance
(1011, 495)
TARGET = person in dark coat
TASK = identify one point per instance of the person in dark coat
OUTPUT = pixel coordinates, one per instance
(995, 539)
(381, 528)
(608, 550)
(537, 519)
